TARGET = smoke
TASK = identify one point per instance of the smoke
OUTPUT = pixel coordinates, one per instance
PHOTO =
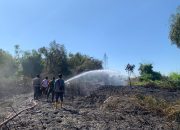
(10, 82)
(7, 80)
(85, 83)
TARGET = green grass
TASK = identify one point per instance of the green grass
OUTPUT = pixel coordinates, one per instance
(166, 82)
(162, 84)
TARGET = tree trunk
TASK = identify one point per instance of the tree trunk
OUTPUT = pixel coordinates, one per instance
(130, 81)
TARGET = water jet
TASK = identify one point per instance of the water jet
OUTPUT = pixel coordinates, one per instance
(89, 81)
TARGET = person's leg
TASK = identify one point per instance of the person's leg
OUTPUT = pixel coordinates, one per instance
(52, 96)
(57, 96)
(38, 92)
(61, 98)
(34, 93)
(42, 91)
(48, 93)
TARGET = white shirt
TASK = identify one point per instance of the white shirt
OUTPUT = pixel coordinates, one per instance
(45, 83)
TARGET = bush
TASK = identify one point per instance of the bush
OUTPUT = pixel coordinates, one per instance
(145, 77)
(147, 73)
(162, 84)
(175, 78)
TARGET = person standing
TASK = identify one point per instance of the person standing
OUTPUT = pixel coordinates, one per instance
(36, 85)
(59, 90)
(51, 89)
(44, 86)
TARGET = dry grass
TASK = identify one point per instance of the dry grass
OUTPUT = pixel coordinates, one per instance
(173, 112)
(111, 103)
(169, 109)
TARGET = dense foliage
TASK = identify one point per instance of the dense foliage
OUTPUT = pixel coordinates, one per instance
(79, 63)
(175, 78)
(153, 79)
(55, 58)
(175, 28)
(31, 63)
(8, 65)
(16, 72)
(147, 73)
(50, 60)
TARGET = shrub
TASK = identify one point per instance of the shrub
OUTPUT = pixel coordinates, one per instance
(175, 78)
(162, 84)
(147, 73)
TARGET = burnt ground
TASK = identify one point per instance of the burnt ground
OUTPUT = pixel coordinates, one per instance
(108, 108)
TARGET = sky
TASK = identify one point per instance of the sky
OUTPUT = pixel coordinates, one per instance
(128, 31)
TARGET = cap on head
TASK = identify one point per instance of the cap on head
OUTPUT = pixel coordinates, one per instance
(60, 75)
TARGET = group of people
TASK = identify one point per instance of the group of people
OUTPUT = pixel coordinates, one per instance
(55, 87)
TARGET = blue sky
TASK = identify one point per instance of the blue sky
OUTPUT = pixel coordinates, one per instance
(129, 31)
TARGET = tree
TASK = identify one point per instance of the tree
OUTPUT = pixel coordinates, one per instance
(31, 63)
(55, 58)
(130, 69)
(18, 59)
(145, 69)
(17, 52)
(175, 28)
(147, 73)
(79, 63)
(7, 64)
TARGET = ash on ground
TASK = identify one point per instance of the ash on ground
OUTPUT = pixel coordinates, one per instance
(107, 108)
